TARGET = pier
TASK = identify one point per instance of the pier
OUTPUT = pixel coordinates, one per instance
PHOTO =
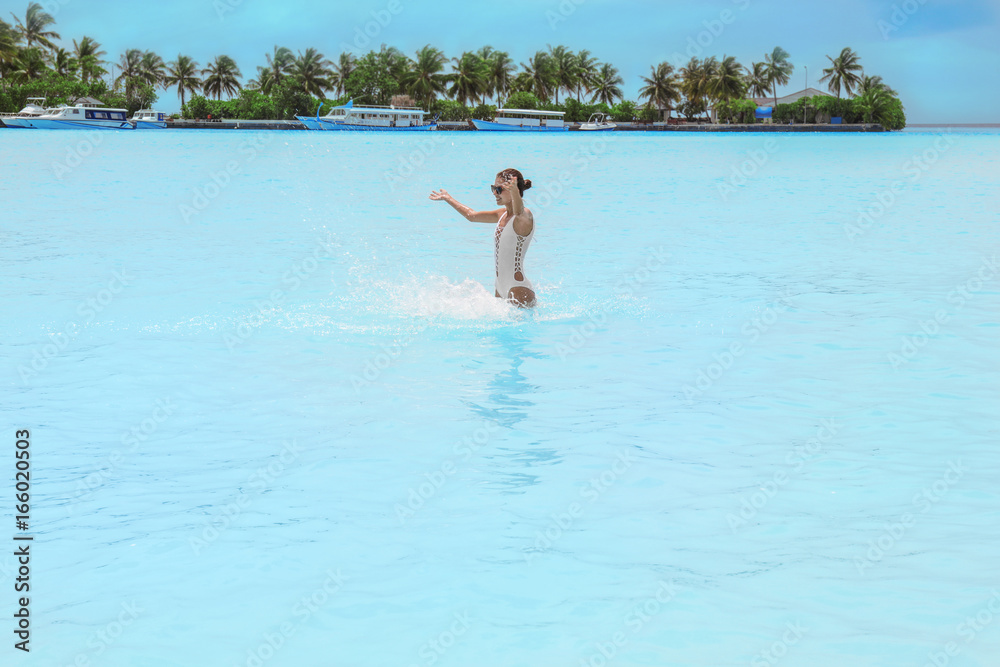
(465, 126)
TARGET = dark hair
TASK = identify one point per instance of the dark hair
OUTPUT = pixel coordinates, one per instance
(522, 184)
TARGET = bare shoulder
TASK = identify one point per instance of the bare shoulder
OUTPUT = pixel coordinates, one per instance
(524, 223)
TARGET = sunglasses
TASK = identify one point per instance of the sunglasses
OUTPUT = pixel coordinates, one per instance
(496, 189)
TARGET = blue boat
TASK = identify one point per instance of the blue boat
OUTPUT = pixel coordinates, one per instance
(523, 120)
(148, 119)
(372, 118)
(34, 109)
(79, 117)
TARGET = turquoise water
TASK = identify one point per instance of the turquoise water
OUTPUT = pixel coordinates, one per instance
(278, 417)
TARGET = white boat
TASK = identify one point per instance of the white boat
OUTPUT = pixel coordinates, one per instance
(369, 118)
(148, 119)
(79, 117)
(33, 109)
(598, 123)
(523, 120)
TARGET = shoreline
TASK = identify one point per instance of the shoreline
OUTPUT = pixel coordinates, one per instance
(466, 127)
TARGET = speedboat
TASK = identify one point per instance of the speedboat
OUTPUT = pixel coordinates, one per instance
(370, 118)
(147, 119)
(523, 120)
(79, 117)
(34, 109)
(598, 123)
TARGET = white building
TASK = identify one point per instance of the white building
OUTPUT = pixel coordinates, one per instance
(788, 99)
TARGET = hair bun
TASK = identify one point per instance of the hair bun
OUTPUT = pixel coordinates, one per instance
(527, 184)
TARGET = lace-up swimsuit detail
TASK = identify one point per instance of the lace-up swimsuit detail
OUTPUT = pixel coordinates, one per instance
(509, 250)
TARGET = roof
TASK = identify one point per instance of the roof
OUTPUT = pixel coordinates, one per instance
(532, 112)
(788, 99)
(382, 110)
(86, 101)
(376, 108)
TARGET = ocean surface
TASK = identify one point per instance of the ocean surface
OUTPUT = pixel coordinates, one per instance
(277, 416)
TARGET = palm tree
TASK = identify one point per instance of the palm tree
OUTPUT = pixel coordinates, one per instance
(221, 76)
(398, 64)
(62, 62)
(342, 72)
(9, 39)
(468, 78)
(777, 69)
(874, 103)
(606, 86)
(586, 68)
(33, 29)
(88, 54)
(152, 69)
(540, 75)
(499, 68)
(183, 73)
(522, 83)
(869, 83)
(30, 64)
(564, 69)
(131, 71)
(277, 69)
(843, 72)
(757, 81)
(485, 55)
(662, 88)
(727, 84)
(696, 77)
(311, 71)
(426, 77)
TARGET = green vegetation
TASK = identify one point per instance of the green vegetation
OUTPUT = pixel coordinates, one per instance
(471, 85)
(737, 111)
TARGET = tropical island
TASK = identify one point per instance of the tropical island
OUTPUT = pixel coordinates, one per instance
(472, 85)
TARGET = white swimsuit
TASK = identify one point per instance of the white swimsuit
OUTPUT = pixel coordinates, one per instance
(508, 256)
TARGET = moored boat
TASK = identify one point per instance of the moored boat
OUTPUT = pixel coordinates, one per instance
(79, 117)
(598, 122)
(523, 120)
(369, 118)
(148, 119)
(33, 109)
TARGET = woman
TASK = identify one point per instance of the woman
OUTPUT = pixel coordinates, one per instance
(514, 231)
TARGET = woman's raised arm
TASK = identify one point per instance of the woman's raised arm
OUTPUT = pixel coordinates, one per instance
(465, 211)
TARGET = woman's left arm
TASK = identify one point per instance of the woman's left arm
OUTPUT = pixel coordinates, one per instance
(523, 221)
(515, 195)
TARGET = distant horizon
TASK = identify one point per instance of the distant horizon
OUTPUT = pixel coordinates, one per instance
(946, 46)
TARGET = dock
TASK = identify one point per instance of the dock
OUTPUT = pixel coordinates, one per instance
(465, 126)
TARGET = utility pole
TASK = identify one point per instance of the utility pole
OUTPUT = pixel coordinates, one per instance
(806, 88)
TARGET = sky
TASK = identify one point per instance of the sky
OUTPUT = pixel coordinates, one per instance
(942, 56)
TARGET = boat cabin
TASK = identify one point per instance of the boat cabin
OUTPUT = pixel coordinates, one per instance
(530, 118)
(34, 107)
(99, 114)
(377, 116)
(150, 116)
